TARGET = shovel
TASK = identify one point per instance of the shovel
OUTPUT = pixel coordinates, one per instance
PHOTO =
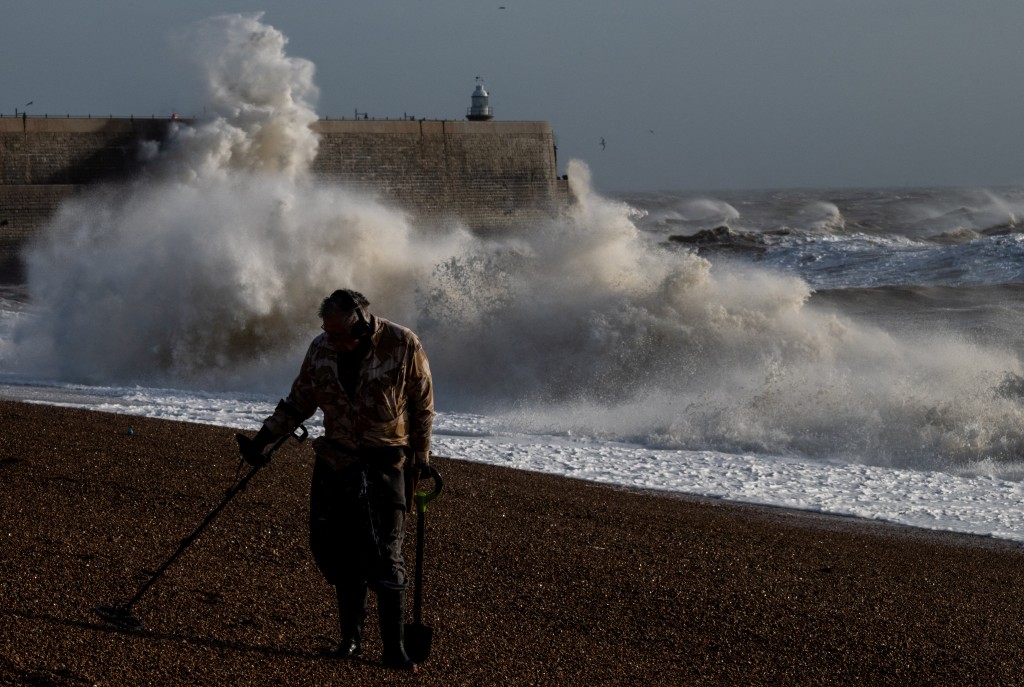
(418, 636)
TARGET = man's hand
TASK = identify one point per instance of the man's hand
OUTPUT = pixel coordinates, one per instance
(252, 449)
(414, 472)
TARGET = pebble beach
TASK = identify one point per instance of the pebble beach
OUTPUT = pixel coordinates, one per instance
(529, 579)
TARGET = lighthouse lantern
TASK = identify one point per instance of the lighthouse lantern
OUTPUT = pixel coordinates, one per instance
(480, 111)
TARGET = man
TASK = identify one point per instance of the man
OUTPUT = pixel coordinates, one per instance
(371, 379)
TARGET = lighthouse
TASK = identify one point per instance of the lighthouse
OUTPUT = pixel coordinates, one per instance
(480, 111)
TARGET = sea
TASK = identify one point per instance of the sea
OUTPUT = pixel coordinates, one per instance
(844, 351)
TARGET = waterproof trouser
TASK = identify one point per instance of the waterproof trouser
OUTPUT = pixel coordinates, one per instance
(357, 521)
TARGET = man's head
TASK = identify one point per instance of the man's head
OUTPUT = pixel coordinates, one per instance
(343, 300)
(344, 320)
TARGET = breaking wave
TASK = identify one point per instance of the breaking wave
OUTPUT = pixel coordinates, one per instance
(207, 272)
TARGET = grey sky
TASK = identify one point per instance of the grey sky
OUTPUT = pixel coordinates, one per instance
(688, 94)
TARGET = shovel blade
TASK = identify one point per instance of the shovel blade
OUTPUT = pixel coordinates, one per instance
(418, 638)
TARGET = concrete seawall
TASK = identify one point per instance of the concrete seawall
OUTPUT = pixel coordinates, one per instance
(490, 176)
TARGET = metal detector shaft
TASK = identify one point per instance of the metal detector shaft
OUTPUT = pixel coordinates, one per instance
(239, 486)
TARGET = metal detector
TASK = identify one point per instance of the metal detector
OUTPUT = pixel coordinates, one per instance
(121, 615)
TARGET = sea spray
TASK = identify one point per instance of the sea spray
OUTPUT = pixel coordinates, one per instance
(585, 328)
(262, 101)
(206, 273)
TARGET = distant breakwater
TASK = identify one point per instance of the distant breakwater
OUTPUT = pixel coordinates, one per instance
(489, 176)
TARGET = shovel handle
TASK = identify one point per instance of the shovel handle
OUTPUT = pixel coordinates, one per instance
(422, 498)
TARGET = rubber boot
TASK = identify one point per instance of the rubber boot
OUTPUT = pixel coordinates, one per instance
(352, 617)
(391, 607)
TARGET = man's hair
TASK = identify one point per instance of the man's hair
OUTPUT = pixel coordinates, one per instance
(343, 300)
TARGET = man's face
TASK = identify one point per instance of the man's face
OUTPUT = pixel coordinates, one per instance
(338, 327)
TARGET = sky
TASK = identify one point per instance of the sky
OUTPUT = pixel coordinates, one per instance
(686, 94)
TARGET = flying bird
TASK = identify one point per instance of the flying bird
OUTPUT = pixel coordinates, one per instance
(602, 143)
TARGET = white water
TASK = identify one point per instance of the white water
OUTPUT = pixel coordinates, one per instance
(577, 347)
(978, 505)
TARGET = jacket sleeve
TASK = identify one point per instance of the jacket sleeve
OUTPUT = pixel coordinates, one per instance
(420, 393)
(300, 404)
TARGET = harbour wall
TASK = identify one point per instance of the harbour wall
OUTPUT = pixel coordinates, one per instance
(490, 176)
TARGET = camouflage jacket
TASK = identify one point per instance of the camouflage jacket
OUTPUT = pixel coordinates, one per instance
(392, 403)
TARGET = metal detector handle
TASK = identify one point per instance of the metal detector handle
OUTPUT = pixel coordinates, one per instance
(422, 498)
(300, 433)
